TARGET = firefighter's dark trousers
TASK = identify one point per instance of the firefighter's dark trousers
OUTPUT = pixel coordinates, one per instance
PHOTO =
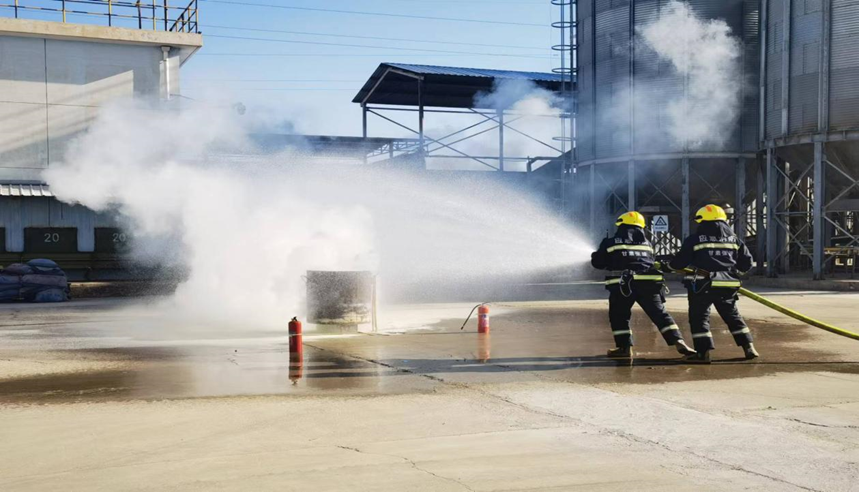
(648, 295)
(725, 301)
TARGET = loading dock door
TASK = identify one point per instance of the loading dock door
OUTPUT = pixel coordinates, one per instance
(50, 240)
(111, 240)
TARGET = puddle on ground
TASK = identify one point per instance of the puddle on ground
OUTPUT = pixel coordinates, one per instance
(559, 344)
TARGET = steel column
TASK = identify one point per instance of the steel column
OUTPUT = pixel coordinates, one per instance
(739, 199)
(772, 225)
(593, 200)
(762, 80)
(631, 200)
(421, 118)
(364, 127)
(572, 205)
(563, 206)
(784, 241)
(594, 106)
(760, 227)
(501, 140)
(817, 208)
(685, 212)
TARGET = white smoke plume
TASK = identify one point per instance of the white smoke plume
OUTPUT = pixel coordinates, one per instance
(534, 111)
(708, 56)
(246, 227)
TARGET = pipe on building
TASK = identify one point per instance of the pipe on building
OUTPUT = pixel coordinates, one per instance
(165, 57)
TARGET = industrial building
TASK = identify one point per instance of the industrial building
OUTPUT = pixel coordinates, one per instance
(54, 77)
(810, 86)
(786, 169)
(799, 111)
(625, 157)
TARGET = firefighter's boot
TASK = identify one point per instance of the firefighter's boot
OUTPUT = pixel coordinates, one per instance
(620, 353)
(684, 349)
(750, 351)
(698, 358)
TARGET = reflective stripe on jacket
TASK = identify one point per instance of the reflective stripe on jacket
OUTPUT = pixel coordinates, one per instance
(714, 249)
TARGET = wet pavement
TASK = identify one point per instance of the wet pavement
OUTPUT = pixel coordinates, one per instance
(111, 395)
(528, 342)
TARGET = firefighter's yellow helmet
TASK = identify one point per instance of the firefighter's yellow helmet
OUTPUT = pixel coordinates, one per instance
(711, 213)
(633, 219)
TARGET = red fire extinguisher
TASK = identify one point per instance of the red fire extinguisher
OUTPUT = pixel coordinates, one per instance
(296, 348)
(296, 367)
(484, 347)
(483, 319)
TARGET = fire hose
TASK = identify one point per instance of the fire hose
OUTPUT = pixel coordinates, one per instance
(745, 292)
(787, 311)
(799, 316)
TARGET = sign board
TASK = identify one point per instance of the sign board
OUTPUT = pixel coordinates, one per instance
(659, 223)
(111, 240)
(50, 240)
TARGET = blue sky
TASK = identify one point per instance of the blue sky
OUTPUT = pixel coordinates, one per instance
(313, 91)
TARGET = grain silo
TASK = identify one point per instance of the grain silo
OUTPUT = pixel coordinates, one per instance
(810, 122)
(626, 157)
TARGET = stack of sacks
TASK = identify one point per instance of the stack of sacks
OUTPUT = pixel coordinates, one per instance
(38, 281)
(10, 284)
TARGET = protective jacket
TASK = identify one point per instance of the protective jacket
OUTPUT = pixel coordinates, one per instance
(717, 253)
(633, 279)
(629, 250)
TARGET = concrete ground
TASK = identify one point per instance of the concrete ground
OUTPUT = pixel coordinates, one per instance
(101, 395)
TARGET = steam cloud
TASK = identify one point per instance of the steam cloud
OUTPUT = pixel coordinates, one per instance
(536, 113)
(248, 226)
(708, 56)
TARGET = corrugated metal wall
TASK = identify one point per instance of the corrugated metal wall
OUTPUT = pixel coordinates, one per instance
(623, 104)
(16, 213)
(656, 85)
(844, 67)
(585, 82)
(775, 58)
(804, 45)
(612, 136)
(750, 124)
(806, 27)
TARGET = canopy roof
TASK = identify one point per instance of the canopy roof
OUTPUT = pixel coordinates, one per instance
(444, 87)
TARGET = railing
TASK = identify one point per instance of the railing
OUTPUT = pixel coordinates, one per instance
(158, 14)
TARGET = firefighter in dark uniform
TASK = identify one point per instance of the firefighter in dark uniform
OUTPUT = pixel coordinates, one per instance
(629, 257)
(718, 259)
